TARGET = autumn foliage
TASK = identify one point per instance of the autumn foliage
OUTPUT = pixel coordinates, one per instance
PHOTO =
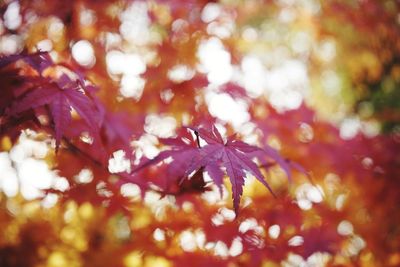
(199, 133)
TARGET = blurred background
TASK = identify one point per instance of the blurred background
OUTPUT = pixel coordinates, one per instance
(317, 80)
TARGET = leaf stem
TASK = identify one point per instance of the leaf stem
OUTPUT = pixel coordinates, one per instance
(197, 138)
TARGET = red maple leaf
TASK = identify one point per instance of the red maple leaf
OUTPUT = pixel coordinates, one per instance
(233, 156)
(39, 60)
(60, 97)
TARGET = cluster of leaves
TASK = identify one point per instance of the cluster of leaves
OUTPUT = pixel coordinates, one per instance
(56, 97)
(372, 202)
(346, 217)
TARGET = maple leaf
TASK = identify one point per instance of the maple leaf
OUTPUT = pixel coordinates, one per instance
(234, 155)
(39, 60)
(60, 97)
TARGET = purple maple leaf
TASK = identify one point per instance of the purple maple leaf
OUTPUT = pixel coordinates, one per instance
(60, 97)
(39, 60)
(217, 157)
(234, 155)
